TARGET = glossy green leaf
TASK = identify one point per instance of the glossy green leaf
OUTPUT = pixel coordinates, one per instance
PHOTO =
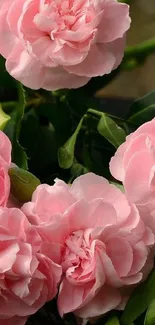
(142, 110)
(111, 131)
(139, 300)
(23, 184)
(4, 118)
(112, 321)
(13, 127)
(150, 315)
(66, 152)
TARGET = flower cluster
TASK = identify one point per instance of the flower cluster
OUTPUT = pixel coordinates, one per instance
(54, 44)
(87, 241)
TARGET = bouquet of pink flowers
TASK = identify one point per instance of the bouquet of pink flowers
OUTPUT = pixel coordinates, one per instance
(77, 182)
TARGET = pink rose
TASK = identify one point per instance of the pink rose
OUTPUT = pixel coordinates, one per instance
(28, 278)
(54, 44)
(134, 164)
(5, 161)
(98, 239)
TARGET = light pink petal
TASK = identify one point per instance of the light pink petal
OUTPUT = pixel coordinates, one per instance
(52, 272)
(25, 68)
(115, 21)
(58, 78)
(26, 25)
(112, 278)
(14, 221)
(137, 175)
(13, 321)
(107, 299)
(5, 148)
(52, 198)
(133, 219)
(22, 264)
(116, 163)
(74, 297)
(8, 253)
(117, 48)
(146, 128)
(136, 145)
(67, 56)
(140, 254)
(8, 42)
(78, 216)
(103, 214)
(55, 231)
(121, 255)
(14, 14)
(91, 186)
(52, 250)
(4, 185)
(43, 48)
(104, 62)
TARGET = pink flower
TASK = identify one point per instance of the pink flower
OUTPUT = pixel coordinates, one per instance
(134, 164)
(54, 44)
(98, 239)
(5, 161)
(28, 278)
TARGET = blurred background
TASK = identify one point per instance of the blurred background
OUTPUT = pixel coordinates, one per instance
(137, 82)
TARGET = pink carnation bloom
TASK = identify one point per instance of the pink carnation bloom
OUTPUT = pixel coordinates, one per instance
(99, 240)
(55, 44)
(28, 278)
(5, 161)
(134, 165)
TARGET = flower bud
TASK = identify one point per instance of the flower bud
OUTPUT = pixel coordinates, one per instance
(23, 184)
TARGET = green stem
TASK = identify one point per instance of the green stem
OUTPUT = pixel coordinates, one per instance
(125, 1)
(95, 112)
(140, 51)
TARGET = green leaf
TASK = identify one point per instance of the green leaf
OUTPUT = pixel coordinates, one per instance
(6, 80)
(58, 113)
(139, 300)
(150, 315)
(111, 131)
(143, 109)
(77, 170)
(112, 321)
(120, 186)
(23, 184)
(66, 152)
(13, 127)
(4, 118)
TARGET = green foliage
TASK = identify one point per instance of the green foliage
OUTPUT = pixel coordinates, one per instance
(66, 153)
(112, 321)
(111, 131)
(4, 118)
(150, 315)
(13, 127)
(23, 184)
(142, 110)
(6, 81)
(139, 300)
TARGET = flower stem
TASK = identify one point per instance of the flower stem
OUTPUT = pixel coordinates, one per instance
(141, 51)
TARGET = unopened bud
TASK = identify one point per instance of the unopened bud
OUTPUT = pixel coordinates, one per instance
(23, 184)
